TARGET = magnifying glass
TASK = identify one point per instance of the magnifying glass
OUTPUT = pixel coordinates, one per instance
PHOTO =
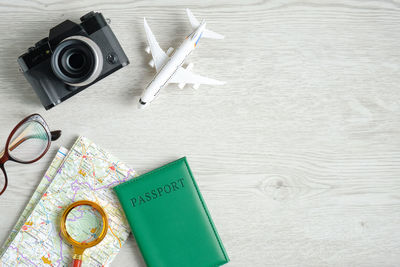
(84, 224)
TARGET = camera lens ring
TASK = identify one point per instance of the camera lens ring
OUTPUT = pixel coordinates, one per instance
(92, 62)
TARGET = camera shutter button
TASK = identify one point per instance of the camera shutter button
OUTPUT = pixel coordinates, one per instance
(112, 58)
(88, 15)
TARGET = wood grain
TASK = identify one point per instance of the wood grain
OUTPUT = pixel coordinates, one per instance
(297, 156)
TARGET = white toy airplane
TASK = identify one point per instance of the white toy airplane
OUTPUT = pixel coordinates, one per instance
(169, 65)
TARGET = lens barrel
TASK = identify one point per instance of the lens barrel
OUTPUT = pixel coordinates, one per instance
(77, 61)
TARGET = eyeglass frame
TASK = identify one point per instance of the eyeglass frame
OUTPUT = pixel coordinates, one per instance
(52, 136)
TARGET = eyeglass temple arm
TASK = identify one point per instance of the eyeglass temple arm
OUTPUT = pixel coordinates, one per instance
(54, 135)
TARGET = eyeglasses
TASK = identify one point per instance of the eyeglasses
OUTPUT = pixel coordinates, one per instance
(27, 143)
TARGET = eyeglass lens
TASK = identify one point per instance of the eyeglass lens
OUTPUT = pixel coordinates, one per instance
(29, 142)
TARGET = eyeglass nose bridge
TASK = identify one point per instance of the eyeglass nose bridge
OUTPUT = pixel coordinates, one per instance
(3, 158)
(5, 179)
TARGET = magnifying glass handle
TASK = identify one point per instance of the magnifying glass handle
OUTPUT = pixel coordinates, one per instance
(76, 263)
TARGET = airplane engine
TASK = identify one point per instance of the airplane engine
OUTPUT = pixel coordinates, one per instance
(169, 51)
(151, 63)
(147, 49)
(188, 67)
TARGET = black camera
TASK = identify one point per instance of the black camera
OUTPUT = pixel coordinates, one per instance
(73, 57)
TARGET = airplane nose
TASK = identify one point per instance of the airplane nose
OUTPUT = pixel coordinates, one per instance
(141, 104)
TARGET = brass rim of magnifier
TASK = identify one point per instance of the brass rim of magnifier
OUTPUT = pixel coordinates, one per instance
(79, 246)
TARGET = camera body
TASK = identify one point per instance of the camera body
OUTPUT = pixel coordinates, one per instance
(72, 58)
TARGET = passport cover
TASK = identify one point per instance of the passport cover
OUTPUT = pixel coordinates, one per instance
(169, 218)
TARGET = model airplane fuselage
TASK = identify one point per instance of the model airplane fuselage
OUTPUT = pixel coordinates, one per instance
(169, 65)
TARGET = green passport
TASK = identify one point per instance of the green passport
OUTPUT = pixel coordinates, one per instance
(169, 218)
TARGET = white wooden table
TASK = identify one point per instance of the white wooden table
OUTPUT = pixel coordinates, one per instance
(297, 156)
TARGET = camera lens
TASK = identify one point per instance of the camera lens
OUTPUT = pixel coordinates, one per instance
(77, 61)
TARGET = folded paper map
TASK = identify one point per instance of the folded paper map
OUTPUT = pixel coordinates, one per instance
(37, 195)
(87, 173)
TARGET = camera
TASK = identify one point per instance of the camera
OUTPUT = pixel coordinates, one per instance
(72, 58)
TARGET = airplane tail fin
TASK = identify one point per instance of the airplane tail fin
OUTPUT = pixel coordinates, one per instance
(195, 23)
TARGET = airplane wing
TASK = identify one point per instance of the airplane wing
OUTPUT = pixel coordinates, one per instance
(159, 56)
(184, 76)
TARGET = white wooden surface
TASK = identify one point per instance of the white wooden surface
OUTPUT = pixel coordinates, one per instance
(297, 156)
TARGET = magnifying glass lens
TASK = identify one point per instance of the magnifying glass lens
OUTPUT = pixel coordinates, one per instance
(84, 224)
